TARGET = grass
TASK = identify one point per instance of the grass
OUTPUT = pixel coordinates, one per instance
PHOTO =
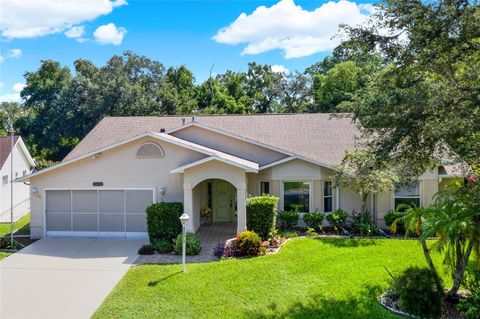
(308, 278)
(4, 254)
(21, 226)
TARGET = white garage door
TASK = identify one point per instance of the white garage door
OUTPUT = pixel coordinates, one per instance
(97, 213)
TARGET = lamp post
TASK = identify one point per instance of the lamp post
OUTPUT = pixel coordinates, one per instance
(12, 132)
(184, 220)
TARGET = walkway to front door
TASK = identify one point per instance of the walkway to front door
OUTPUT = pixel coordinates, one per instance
(210, 236)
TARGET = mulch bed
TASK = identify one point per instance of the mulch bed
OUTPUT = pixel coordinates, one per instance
(391, 303)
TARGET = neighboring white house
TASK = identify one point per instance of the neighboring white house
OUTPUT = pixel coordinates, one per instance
(23, 164)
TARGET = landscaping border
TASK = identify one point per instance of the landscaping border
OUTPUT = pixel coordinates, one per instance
(383, 303)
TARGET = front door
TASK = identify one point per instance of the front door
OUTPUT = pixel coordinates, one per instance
(223, 201)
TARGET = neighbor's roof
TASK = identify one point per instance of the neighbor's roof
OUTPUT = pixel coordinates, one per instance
(6, 147)
(317, 136)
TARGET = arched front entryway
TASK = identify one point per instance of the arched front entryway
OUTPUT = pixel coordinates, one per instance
(227, 194)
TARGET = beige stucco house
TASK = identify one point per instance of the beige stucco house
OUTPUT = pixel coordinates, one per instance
(126, 163)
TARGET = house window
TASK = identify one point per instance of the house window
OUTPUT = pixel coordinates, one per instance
(5, 179)
(296, 196)
(150, 150)
(328, 197)
(407, 195)
(24, 172)
(265, 188)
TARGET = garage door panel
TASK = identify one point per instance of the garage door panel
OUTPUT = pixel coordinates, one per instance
(58, 201)
(112, 201)
(136, 223)
(59, 222)
(138, 200)
(112, 222)
(85, 222)
(84, 201)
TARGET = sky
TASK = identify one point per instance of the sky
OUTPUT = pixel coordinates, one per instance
(203, 35)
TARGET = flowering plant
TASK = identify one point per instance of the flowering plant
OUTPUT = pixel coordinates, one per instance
(206, 212)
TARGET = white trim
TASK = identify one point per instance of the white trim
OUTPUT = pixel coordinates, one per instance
(420, 196)
(288, 159)
(24, 148)
(337, 197)
(154, 156)
(310, 193)
(181, 169)
(329, 196)
(232, 135)
(160, 136)
(97, 233)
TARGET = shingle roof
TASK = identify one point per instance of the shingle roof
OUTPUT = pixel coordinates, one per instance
(6, 147)
(318, 136)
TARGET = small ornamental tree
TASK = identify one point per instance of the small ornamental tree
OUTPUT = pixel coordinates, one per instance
(361, 172)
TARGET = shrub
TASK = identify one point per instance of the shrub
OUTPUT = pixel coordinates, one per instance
(146, 250)
(163, 245)
(391, 216)
(470, 306)
(261, 215)
(163, 220)
(232, 251)
(418, 293)
(363, 226)
(219, 250)
(192, 244)
(311, 232)
(337, 219)
(314, 220)
(288, 219)
(289, 233)
(249, 243)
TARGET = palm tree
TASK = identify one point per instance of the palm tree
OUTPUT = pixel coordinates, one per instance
(413, 219)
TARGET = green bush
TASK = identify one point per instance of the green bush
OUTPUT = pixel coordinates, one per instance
(192, 244)
(288, 219)
(311, 232)
(249, 244)
(391, 216)
(362, 225)
(418, 293)
(314, 220)
(163, 245)
(146, 250)
(337, 219)
(163, 220)
(470, 306)
(261, 215)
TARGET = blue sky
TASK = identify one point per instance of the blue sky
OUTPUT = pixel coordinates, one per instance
(200, 34)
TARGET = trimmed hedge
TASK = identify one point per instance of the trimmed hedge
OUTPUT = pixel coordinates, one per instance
(163, 221)
(261, 212)
(314, 220)
(288, 219)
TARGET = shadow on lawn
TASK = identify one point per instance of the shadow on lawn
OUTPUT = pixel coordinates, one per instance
(347, 242)
(365, 305)
(153, 283)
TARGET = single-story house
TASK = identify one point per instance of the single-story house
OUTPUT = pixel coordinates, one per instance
(23, 164)
(126, 163)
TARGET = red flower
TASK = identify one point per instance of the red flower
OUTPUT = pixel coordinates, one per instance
(473, 178)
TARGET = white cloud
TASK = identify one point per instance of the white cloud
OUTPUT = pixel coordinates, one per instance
(75, 32)
(10, 97)
(14, 53)
(28, 19)
(17, 87)
(109, 34)
(280, 69)
(288, 27)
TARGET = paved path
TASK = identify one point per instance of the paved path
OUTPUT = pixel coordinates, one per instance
(63, 278)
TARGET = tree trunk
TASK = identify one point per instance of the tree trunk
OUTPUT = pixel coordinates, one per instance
(426, 253)
(364, 203)
(461, 265)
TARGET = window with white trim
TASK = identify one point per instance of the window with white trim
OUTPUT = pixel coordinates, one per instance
(24, 172)
(296, 196)
(5, 179)
(265, 188)
(407, 195)
(150, 150)
(328, 197)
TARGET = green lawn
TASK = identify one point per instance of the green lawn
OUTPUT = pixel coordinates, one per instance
(4, 254)
(21, 226)
(308, 278)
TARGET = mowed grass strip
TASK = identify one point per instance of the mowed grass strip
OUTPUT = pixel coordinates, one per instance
(308, 278)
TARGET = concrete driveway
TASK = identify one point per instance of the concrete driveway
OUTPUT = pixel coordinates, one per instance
(63, 278)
